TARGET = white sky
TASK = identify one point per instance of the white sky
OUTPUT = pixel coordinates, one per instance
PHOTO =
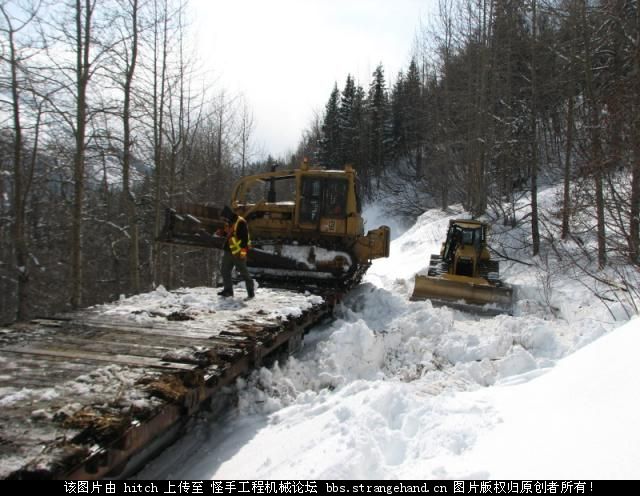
(286, 55)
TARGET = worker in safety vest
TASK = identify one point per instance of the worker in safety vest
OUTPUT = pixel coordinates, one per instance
(236, 248)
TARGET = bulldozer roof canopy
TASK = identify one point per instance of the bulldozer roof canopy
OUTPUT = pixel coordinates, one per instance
(467, 223)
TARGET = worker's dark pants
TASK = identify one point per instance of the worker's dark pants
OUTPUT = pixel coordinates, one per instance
(228, 262)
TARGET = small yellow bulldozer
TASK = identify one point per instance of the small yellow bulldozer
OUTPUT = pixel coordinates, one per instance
(463, 275)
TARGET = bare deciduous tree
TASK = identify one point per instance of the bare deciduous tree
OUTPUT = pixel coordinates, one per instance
(17, 19)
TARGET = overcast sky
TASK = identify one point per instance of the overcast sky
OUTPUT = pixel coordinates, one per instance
(284, 56)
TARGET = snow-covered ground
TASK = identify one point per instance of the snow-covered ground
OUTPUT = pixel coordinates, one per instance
(394, 389)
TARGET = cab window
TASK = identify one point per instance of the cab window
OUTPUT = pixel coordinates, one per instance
(311, 199)
(335, 198)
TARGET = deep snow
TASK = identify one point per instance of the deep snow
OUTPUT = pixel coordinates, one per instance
(393, 389)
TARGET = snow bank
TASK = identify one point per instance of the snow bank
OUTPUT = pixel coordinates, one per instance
(394, 389)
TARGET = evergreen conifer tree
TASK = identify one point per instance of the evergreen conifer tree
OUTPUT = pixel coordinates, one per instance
(347, 124)
(379, 128)
(330, 143)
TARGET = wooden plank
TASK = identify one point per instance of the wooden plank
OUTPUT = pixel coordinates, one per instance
(239, 329)
(167, 341)
(199, 355)
(54, 369)
(169, 331)
(133, 361)
(207, 326)
(109, 333)
(111, 346)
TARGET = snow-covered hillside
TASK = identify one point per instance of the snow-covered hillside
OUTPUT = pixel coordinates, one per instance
(394, 389)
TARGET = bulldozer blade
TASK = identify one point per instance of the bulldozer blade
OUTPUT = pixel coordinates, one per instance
(476, 297)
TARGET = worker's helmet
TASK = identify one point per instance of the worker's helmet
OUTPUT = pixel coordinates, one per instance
(227, 213)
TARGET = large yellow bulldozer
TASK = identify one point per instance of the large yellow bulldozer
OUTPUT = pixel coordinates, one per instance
(463, 274)
(305, 224)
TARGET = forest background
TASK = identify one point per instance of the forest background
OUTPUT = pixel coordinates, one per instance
(105, 120)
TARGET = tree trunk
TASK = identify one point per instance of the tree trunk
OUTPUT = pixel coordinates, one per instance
(535, 227)
(480, 145)
(159, 81)
(596, 142)
(19, 237)
(634, 217)
(634, 214)
(129, 200)
(566, 200)
(83, 40)
(447, 113)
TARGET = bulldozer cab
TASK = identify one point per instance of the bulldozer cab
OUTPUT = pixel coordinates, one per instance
(305, 200)
(465, 245)
(323, 203)
(322, 197)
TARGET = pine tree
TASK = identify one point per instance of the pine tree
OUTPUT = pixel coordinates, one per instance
(361, 160)
(397, 118)
(413, 120)
(348, 126)
(330, 143)
(379, 131)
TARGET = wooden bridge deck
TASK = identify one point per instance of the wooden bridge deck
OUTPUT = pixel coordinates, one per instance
(83, 393)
